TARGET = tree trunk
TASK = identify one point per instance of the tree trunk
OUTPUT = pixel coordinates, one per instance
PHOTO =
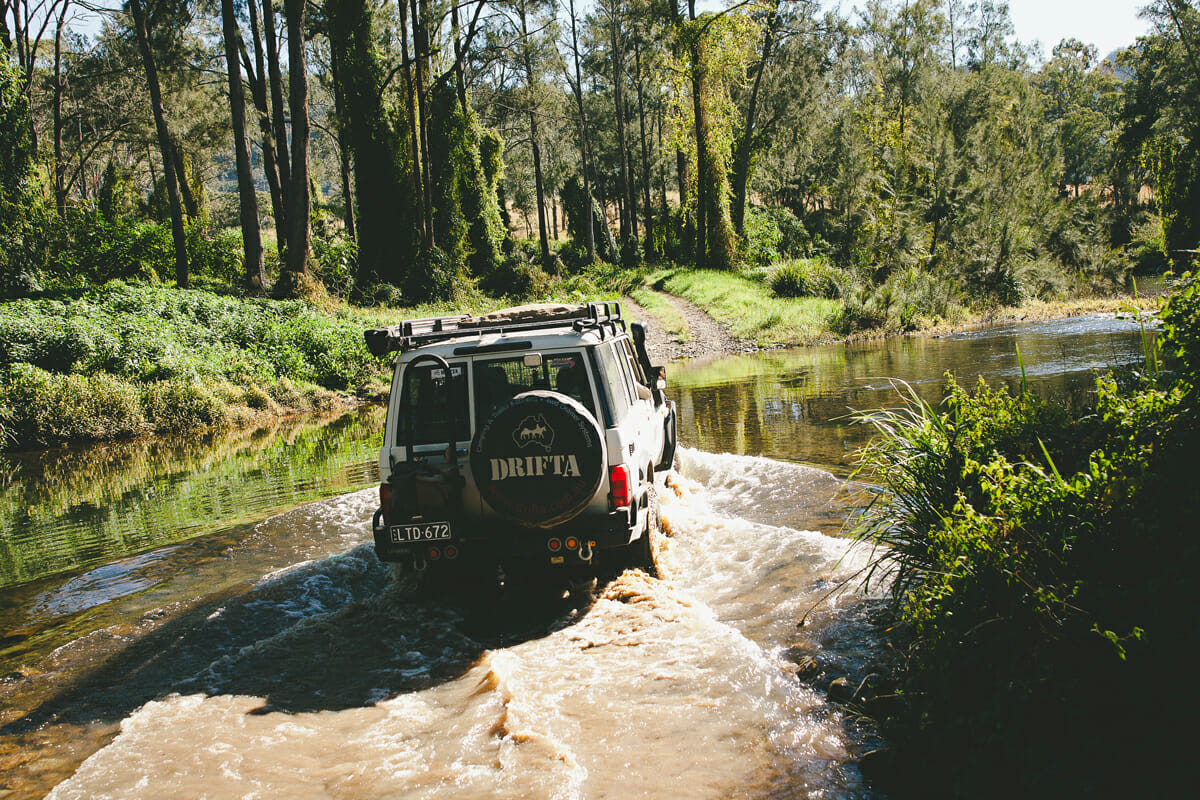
(628, 215)
(278, 119)
(648, 211)
(410, 107)
(252, 248)
(299, 197)
(745, 151)
(420, 18)
(583, 134)
(269, 144)
(543, 236)
(343, 140)
(60, 169)
(178, 234)
(185, 188)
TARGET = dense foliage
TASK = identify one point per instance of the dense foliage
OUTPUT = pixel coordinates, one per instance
(917, 148)
(120, 360)
(1042, 559)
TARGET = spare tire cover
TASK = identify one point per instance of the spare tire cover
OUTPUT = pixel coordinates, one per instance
(538, 459)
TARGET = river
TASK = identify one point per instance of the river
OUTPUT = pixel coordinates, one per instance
(208, 618)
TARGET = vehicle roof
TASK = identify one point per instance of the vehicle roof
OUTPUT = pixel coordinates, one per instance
(540, 325)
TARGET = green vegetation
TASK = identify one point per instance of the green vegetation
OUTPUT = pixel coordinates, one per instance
(661, 309)
(121, 360)
(1041, 561)
(748, 308)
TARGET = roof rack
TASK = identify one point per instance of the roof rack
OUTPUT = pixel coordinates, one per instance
(603, 317)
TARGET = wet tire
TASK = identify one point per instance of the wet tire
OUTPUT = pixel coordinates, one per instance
(640, 554)
(538, 459)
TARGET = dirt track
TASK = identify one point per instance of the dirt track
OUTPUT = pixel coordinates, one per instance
(705, 337)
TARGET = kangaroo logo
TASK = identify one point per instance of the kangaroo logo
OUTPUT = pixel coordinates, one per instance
(534, 430)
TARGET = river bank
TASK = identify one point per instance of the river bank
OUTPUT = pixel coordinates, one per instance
(124, 361)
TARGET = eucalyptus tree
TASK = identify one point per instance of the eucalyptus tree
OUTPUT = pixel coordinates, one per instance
(1161, 120)
(713, 51)
(145, 24)
(299, 206)
(1080, 102)
(252, 248)
(574, 77)
(783, 81)
(531, 43)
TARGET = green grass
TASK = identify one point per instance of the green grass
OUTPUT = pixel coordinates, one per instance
(667, 315)
(749, 310)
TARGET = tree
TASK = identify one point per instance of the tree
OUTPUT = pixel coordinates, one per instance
(299, 206)
(142, 30)
(252, 249)
(1161, 120)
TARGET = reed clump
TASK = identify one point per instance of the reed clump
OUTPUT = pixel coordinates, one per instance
(1041, 563)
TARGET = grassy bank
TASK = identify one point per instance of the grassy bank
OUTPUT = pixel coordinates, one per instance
(127, 359)
(1041, 562)
(121, 360)
(748, 308)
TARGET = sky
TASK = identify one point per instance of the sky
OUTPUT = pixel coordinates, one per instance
(1108, 24)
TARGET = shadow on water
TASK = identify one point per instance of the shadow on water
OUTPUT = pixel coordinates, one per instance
(339, 633)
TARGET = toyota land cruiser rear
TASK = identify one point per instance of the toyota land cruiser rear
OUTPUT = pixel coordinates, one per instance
(522, 441)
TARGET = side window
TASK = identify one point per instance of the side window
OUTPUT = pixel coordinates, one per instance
(433, 405)
(638, 373)
(616, 384)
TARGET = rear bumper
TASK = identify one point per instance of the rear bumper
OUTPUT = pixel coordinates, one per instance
(493, 540)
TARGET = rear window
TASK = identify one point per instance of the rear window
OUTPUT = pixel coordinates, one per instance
(431, 403)
(499, 379)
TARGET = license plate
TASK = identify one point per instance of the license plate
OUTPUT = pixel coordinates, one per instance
(427, 532)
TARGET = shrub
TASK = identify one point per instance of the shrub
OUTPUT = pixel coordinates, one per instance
(1042, 562)
(631, 253)
(179, 405)
(215, 253)
(43, 408)
(762, 238)
(335, 264)
(516, 277)
(809, 277)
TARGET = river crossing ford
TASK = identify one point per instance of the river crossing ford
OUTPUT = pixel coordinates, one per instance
(208, 618)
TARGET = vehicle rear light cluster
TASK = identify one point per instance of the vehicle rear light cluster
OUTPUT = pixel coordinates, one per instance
(385, 501)
(450, 552)
(619, 485)
(554, 545)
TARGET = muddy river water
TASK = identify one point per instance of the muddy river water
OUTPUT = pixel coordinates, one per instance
(194, 619)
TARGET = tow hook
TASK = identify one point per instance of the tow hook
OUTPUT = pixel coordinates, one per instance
(420, 564)
(585, 552)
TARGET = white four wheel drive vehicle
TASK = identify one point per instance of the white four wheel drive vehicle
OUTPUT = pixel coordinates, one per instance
(522, 441)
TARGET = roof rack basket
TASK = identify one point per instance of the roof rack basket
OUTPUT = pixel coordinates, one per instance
(604, 317)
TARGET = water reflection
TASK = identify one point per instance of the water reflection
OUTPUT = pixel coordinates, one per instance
(66, 509)
(797, 404)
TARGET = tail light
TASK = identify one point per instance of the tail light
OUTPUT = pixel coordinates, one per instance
(385, 501)
(618, 482)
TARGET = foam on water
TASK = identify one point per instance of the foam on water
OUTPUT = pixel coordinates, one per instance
(339, 681)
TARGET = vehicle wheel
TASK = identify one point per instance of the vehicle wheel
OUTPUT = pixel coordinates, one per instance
(670, 441)
(539, 459)
(641, 552)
